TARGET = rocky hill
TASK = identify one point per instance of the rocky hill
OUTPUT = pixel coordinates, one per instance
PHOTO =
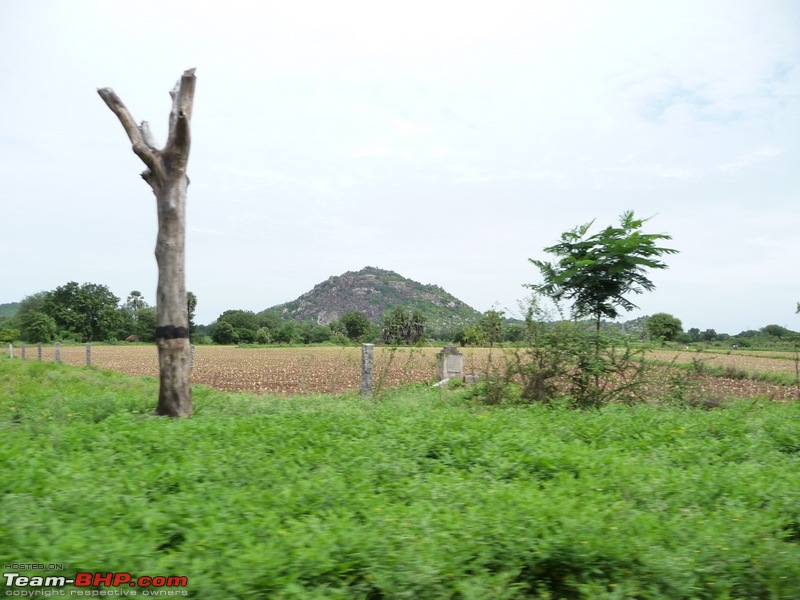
(374, 291)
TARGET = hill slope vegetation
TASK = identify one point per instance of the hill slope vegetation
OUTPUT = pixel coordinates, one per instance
(374, 291)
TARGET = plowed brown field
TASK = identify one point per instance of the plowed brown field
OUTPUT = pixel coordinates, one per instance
(305, 370)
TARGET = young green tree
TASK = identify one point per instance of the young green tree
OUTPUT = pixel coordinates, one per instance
(663, 325)
(491, 326)
(597, 272)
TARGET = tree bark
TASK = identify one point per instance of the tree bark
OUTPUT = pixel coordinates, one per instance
(166, 175)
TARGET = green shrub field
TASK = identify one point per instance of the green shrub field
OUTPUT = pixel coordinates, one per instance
(422, 494)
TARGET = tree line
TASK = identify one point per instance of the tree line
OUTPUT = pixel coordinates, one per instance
(90, 312)
(400, 325)
(87, 312)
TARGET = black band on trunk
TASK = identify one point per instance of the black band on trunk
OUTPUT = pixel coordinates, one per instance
(170, 332)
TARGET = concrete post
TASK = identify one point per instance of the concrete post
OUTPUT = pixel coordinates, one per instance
(366, 370)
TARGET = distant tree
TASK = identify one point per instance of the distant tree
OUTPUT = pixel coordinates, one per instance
(471, 336)
(514, 333)
(90, 311)
(597, 272)
(269, 319)
(287, 333)
(664, 326)
(33, 303)
(135, 302)
(709, 335)
(694, 333)
(356, 324)
(9, 335)
(319, 334)
(491, 326)
(37, 327)
(246, 319)
(244, 335)
(145, 326)
(750, 333)
(775, 331)
(224, 333)
(402, 326)
(337, 327)
(263, 336)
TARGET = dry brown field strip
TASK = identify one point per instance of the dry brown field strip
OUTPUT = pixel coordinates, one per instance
(298, 370)
(307, 370)
(765, 362)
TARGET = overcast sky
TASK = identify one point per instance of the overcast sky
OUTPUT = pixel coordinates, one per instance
(449, 141)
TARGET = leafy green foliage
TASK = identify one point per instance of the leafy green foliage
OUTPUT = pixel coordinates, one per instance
(776, 331)
(491, 326)
(224, 333)
(597, 272)
(664, 326)
(356, 324)
(403, 326)
(145, 325)
(419, 496)
(135, 301)
(287, 333)
(263, 336)
(9, 334)
(319, 333)
(245, 319)
(37, 327)
(88, 312)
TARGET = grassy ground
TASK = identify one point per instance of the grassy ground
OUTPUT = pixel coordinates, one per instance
(420, 495)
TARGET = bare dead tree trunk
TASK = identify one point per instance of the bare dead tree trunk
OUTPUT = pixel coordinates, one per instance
(166, 175)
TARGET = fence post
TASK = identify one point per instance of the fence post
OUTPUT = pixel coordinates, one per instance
(11, 351)
(366, 370)
(39, 350)
(58, 351)
(191, 357)
(88, 355)
(23, 351)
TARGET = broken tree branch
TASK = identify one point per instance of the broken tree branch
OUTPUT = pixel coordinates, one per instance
(150, 156)
(181, 114)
